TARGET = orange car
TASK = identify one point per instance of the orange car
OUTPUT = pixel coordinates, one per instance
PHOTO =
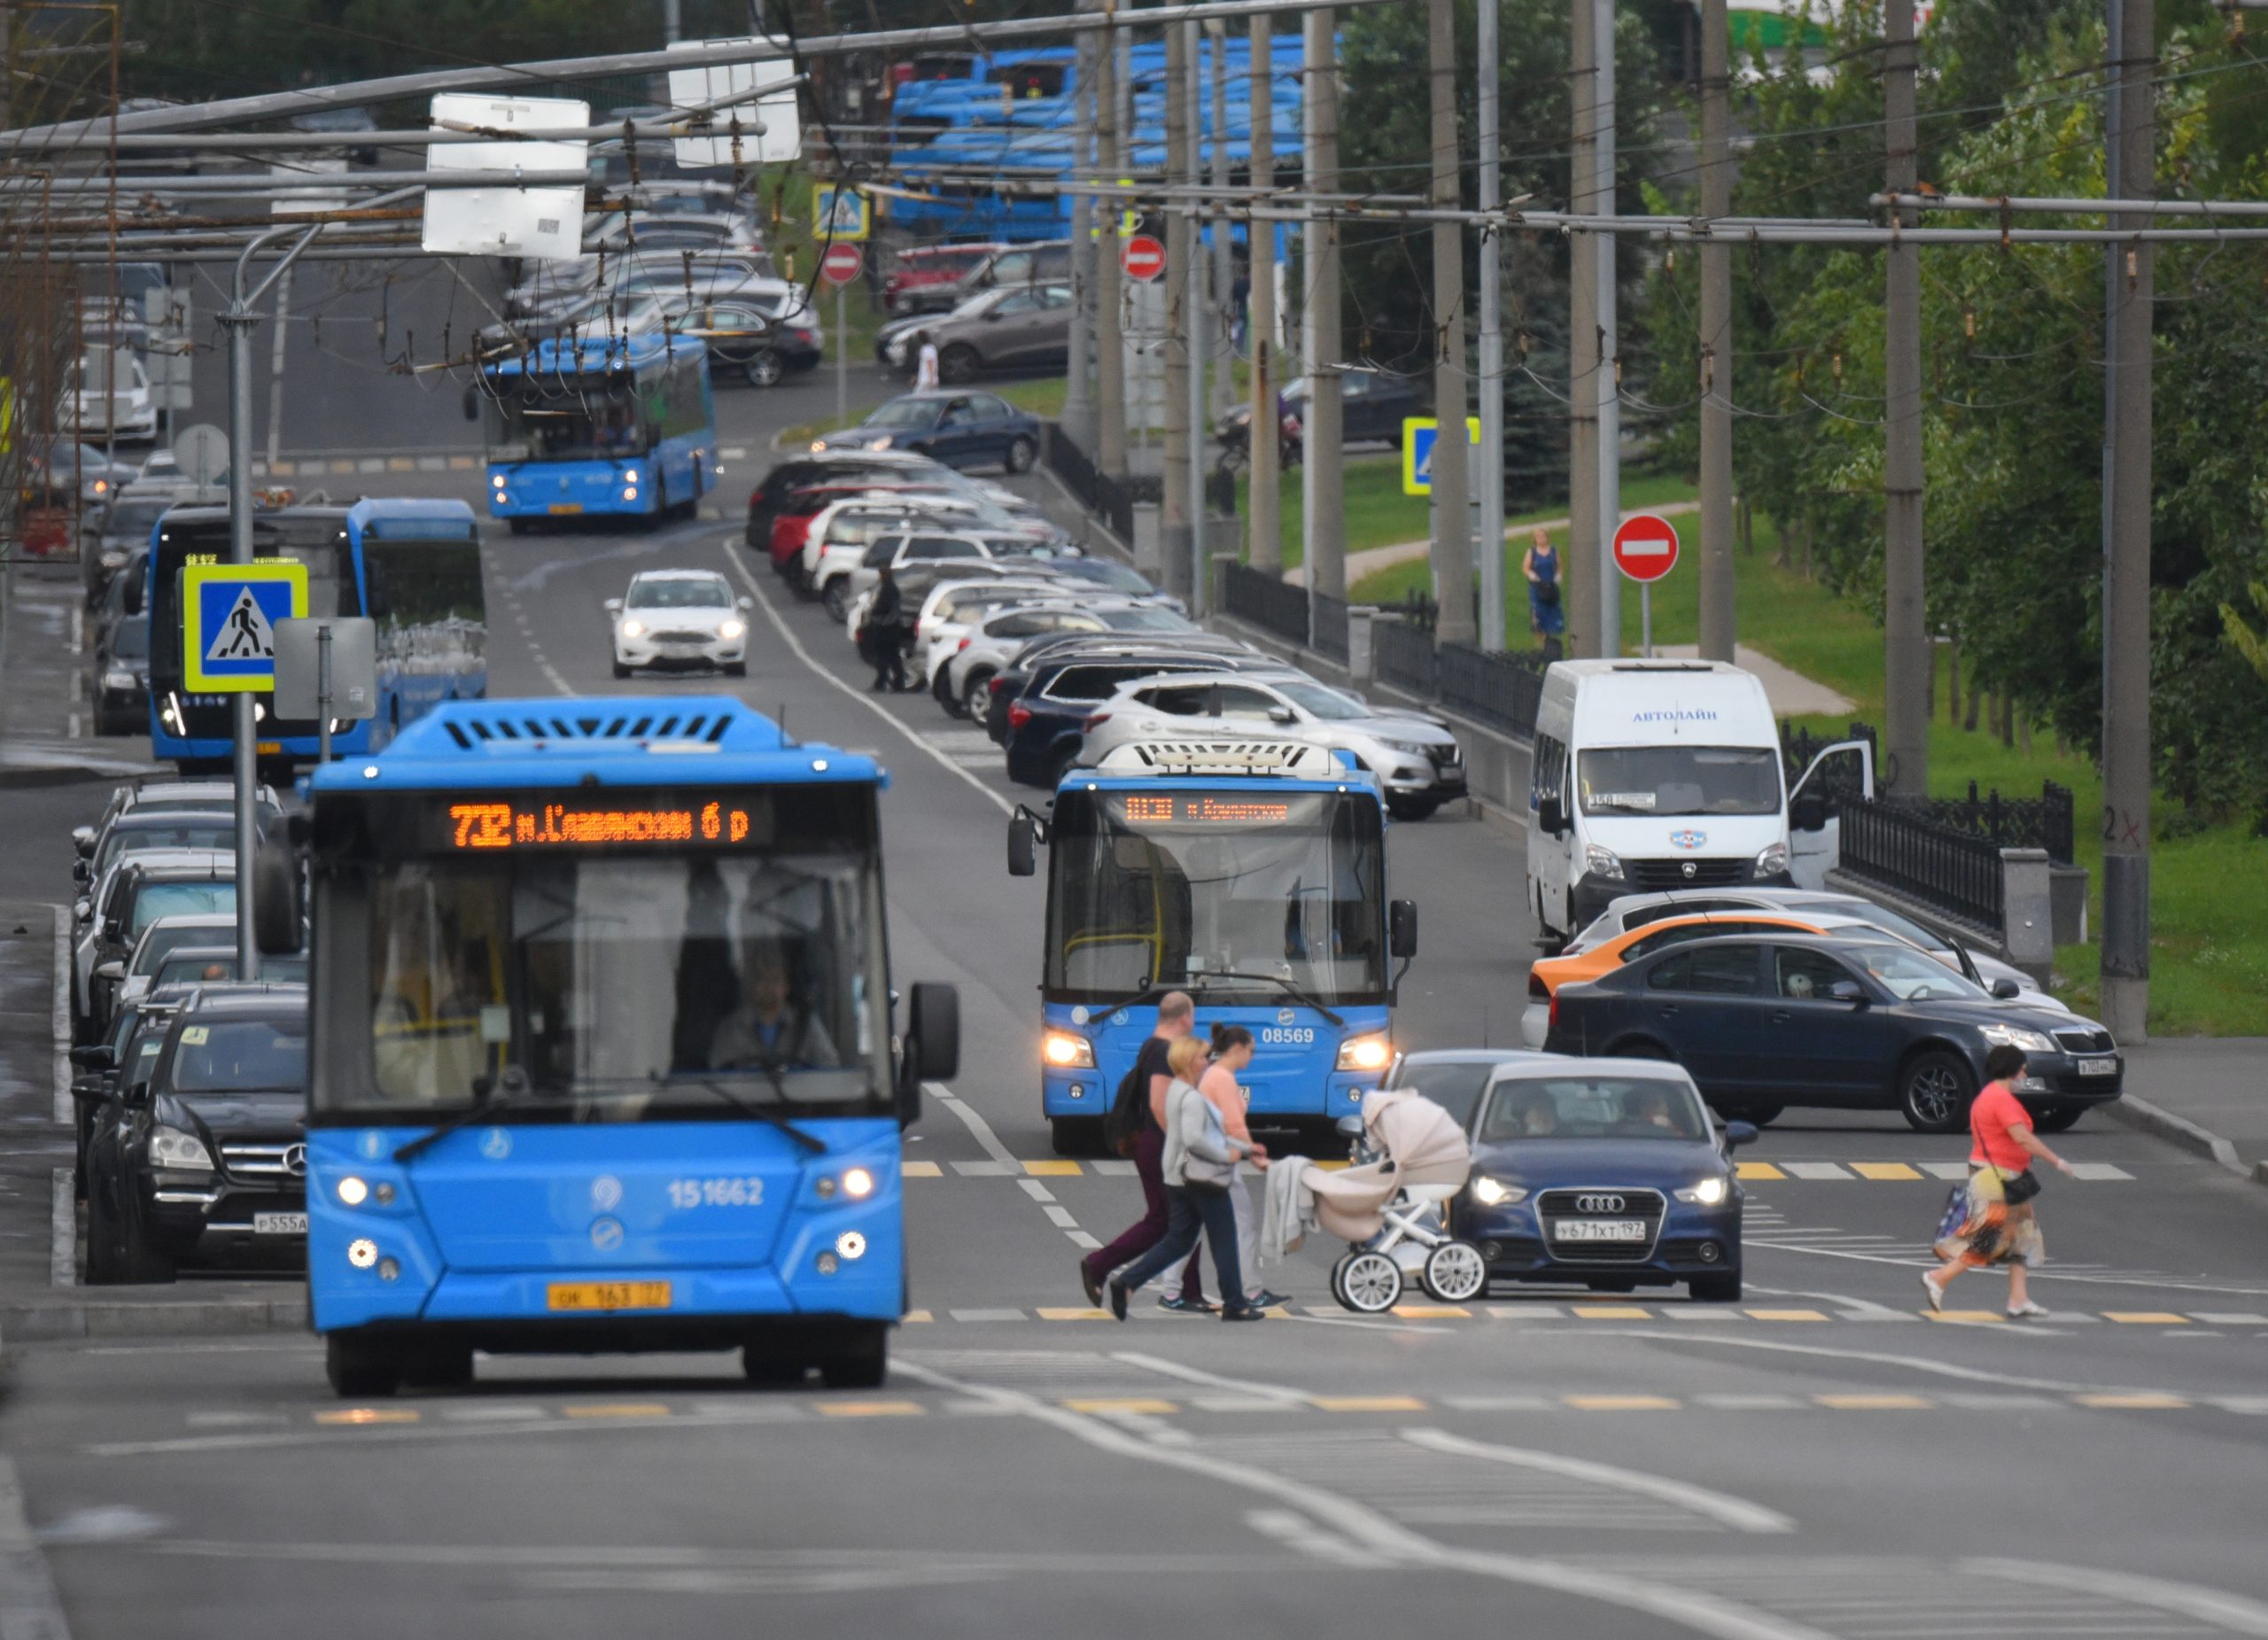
(1546, 975)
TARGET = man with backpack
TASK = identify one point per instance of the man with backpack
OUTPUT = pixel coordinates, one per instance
(1133, 1129)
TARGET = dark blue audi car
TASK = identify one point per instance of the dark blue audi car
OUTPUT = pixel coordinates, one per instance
(1606, 1172)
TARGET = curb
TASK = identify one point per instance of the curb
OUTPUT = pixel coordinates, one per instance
(76, 1317)
(2138, 1113)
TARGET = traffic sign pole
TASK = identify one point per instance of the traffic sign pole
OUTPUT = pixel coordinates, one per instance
(838, 266)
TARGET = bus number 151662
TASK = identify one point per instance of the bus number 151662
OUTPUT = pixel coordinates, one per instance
(716, 1193)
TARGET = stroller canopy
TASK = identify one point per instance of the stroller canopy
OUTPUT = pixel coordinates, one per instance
(1422, 1145)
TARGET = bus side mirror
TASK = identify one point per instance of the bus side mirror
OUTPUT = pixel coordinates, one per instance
(276, 913)
(472, 401)
(1807, 813)
(1401, 927)
(1023, 845)
(1552, 816)
(932, 1046)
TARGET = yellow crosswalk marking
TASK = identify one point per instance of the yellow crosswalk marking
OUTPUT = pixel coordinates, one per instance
(2146, 1318)
(1052, 1170)
(869, 1409)
(1622, 1403)
(279, 470)
(1366, 1404)
(1613, 1312)
(400, 463)
(1964, 1314)
(368, 1415)
(2144, 1401)
(1432, 1312)
(617, 1409)
(1142, 1404)
(1885, 1169)
(1785, 1315)
(920, 1170)
(917, 1315)
(1081, 1313)
(1758, 1170)
(1873, 1403)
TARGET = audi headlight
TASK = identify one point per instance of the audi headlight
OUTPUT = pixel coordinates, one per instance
(634, 629)
(172, 1147)
(731, 628)
(1067, 1050)
(1600, 862)
(1706, 1193)
(1370, 1053)
(1494, 1193)
(1771, 859)
(2017, 1037)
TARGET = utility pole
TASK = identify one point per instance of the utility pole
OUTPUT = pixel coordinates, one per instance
(1324, 422)
(1608, 380)
(672, 25)
(1110, 331)
(1265, 547)
(2126, 574)
(1224, 272)
(1198, 309)
(276, 368)
(1719, 619)
(1176, 525)
(1905, 635)
(1078, 417)
(1488, 486)
(1585, 545)
(1452, 545)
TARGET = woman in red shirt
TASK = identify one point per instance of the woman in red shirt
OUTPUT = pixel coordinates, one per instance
(2000, 1227)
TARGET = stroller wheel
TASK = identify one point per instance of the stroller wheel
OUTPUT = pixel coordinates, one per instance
(1369, 1283)
(1455, 1271)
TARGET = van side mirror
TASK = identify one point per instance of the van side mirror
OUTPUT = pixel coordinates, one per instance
(2006, 989)
(1552, 816)
(1739, 1133)
(1807, 813)
(1401, 927)
(277, 914)
(1023, 844)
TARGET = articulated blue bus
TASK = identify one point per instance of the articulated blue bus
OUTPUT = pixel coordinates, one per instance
(624, 427)
(412, 565)
(1251, 875)
(602, 1051)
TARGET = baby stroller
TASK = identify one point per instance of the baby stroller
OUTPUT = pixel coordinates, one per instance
(1409, 1157)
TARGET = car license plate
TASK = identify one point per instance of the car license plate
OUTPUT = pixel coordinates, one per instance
(2098, 1068)
(1598, 1230)
(584, 1296)
(279, 1223)
(565, 506)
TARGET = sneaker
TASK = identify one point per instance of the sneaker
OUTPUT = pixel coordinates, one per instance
(1266, 1299)
(2026, 1310)
(1090, 1284)
(1245, 1312)
(1937, 1293)
(1118, 1300)
(1181, 1306)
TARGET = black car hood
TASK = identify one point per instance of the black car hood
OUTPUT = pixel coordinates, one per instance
(280, 1115)
(1959, 1010)
(1563, 1164)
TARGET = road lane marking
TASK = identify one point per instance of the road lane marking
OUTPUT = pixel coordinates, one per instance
(359, 1415)
(1884, 1169)
(58, 1017)
(1139, 1406)
(2099, 1171)
(1078, 1312)
(1613, 1312)
(1739, 1513)
(1366, 1404)
(1869, 1402)
(1037, 1190)
(1432, 1312)
(985, 1169)
(1620, 1403)
(2146, 1318)
(1815, 1169)
(615, 1409)
(1919, 1364)
(870, 1409)
(1786, 1314)
(1052, 1169)
(2232, 1613)
(2225, 1319)
(1954, 1170)
(986, 1315)
(979, 1128)
(1757, 1170)
(2144, 1402)
(1279, 1393)
(920, 1170)
(63, 1229)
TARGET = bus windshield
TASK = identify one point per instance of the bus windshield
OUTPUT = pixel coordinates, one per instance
(564, 418)
(1238, 893)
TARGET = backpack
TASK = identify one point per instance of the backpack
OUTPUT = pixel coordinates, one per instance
(1129, 1109)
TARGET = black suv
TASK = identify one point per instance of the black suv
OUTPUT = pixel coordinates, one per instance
(204, 1157)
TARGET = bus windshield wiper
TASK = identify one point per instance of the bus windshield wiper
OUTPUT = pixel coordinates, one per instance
(772, 1068)
(1290, 987)
(489, 1099)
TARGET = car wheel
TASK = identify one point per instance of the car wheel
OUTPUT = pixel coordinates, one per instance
(1453, 1273)
(140, 1264)
(518, 526)
(837, 599)
(359, 1371)
(860, 1362)
(764, 370)
(957, 363)
(976, 694)
(1640, 1047)
(2056, 1118)
(1076, 1136)
(760, 1366)
(1933, 1092)
(1721, 1289)
(1761, 1115)
(1369, 1283)
(1612, 1284)
(1065, 761)
(621, 671)
(1411, 808)
(1021, 452)
(102, 1241)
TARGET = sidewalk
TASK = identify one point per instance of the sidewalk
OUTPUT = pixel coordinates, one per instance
(2208, 1094)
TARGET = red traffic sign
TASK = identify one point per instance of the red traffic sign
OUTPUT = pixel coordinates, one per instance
(842, 263)
(1645, 548)
(1143, 258)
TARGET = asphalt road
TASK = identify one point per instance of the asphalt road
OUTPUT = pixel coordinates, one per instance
(1820, 1460)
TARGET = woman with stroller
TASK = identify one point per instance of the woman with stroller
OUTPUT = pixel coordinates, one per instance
(1199, 1168)
(1233, 1051)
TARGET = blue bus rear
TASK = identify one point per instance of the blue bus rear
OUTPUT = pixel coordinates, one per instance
(611, 428)
(411, 565)
(1251, 876)
(601, 1049)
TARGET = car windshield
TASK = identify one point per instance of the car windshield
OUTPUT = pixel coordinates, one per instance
(1453, 1084)
(131, 641)
(161, 942)
(1881, 916)
(905, 413)
(1197, 887)
(239, 1055)
(191, 968)
(680, 595)
(180, 900)
(1680, 779)
(1146, 619)
(217, 833)
(132, 520)
(1592, 1108)
(1915, 976)
(1318, 701)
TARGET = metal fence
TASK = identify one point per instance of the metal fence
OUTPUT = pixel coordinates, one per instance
(1274, 606)
(1902, 848)
(1500, 690)
(1330, 627)
(2043, 822)
(1403, 655)
(1109, 499)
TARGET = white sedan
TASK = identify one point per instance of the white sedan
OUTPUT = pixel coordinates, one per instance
(679, 618)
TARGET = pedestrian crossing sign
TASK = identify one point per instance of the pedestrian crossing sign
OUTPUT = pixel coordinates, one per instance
(228, 616)
(1417, 435)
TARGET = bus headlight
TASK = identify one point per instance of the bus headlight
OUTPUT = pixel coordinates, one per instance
(1067, 1051)
(857, 1184)
(1368, 1052)
(352, 1190)
(1494, 1193)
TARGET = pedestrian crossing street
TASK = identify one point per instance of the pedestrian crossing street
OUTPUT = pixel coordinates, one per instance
(1564, 1314)
(1812, 1172)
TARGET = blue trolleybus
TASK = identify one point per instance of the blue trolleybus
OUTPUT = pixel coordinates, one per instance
(602, 1050)
(1250, 874)
(412, 566)
(623, 427)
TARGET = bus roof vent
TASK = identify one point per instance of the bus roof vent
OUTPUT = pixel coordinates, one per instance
(693, 723)
(1221, 757)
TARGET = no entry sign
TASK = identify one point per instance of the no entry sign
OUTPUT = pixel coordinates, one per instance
(1143, 258)
(1645, 548)
(841, 264)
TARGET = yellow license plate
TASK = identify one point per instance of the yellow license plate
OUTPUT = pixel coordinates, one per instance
(565, 506)
(270, 749)
(587, 1295)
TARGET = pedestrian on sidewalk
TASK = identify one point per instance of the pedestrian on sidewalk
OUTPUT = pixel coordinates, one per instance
(1999, 1225)
(886, 650)
(925, 364)
(1151, 1077)
(1546, 618)
(1199, 1163)
(1231, 1052)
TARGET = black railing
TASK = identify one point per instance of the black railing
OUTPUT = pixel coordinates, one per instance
(1330, 627)
(1902, 848)
(1110, 498)
(1274, 606)
(1500, 690)
(2043, 822)
(1403, 655)
(1838, 782)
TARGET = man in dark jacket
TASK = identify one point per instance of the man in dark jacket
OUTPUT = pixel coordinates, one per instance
(1176, 1018)
(885, 648)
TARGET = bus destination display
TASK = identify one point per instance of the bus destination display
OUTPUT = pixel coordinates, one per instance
(1202, 808)
(490, 824)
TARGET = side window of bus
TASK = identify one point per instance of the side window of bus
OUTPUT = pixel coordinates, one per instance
(426, 597)
(683, 410)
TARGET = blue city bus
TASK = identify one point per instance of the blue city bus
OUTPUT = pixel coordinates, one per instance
(412, 565)
(602, 1051)
(1250, 874)
(623, 427)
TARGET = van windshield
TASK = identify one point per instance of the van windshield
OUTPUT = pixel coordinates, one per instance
(1680, 779)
